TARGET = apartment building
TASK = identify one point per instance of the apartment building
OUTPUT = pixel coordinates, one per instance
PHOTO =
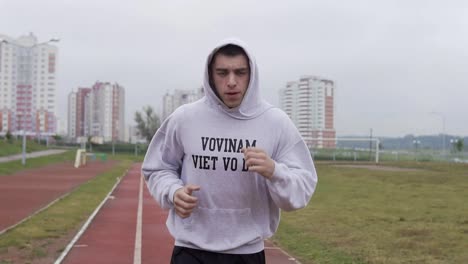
(178, 98)
(97, 112)
(28, 87)
(77, 121)
(309, 102)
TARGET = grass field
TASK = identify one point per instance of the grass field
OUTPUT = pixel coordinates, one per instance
(16, 146)
(369, 216)
(13, 166)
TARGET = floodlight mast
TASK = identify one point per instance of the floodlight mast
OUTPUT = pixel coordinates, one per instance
(443, 129)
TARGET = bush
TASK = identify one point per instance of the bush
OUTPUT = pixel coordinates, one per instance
(9, 136)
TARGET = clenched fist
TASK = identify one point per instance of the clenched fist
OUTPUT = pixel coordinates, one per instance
(257, 160)
(184, 202)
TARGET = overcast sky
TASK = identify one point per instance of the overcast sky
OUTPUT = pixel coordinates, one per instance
(393, 62)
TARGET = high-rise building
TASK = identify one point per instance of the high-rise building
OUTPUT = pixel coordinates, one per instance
(309, 103)
(97, 112)
(132, 135)
(77, 126)
(28, 85)
(178, 98)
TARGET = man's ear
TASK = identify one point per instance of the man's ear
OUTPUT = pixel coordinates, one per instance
(211, 82)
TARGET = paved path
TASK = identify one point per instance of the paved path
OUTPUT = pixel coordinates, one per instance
(130, 228)
(32, 155)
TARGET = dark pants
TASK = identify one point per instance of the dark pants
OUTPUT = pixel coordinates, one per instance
(183, 255)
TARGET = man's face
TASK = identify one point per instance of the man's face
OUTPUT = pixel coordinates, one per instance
(231, 76)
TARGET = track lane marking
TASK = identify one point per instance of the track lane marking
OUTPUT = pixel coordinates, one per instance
(137, 252)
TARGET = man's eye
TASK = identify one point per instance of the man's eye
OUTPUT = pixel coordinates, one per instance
(241, 73)
(222, 73)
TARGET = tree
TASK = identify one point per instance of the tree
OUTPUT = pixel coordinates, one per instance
(147, 122)
(459, 145)
(9, 137)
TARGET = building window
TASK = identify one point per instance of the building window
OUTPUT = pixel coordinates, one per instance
(329, 91)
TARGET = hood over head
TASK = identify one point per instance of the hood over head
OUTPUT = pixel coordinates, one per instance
(252, 104)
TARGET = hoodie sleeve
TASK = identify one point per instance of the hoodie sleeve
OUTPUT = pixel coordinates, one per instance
(295, 178)
(163, 162)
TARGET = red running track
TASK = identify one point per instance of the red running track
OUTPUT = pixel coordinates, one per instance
(27, 191)
(111, 236)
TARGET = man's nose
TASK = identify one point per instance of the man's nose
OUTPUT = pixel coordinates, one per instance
(231, 80)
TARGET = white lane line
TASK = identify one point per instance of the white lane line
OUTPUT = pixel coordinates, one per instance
(285, 253)
(86, 224)
(137, 254)
(289, 256)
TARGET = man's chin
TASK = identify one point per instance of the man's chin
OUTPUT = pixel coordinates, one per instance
(232, 104)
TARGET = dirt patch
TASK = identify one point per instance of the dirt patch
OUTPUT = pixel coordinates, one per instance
(414, 232)
(376, 167)
(42, 251)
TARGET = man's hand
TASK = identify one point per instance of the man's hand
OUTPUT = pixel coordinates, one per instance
(184, 202)
(257, 160)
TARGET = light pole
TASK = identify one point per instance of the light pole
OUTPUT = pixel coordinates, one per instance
(416, 144)
(370, 145)
(23, 154)
(4, 41)
(454, 144)
(37, 44)
(443, 129)
(23, 148)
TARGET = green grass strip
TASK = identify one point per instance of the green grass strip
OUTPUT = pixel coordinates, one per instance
(15, 166)
(16, 146)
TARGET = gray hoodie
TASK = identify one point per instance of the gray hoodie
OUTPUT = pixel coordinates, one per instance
(201, 142)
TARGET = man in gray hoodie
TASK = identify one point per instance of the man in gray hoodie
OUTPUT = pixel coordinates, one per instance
(227, 164)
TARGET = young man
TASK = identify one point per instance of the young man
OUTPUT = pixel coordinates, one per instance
(225, 165)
